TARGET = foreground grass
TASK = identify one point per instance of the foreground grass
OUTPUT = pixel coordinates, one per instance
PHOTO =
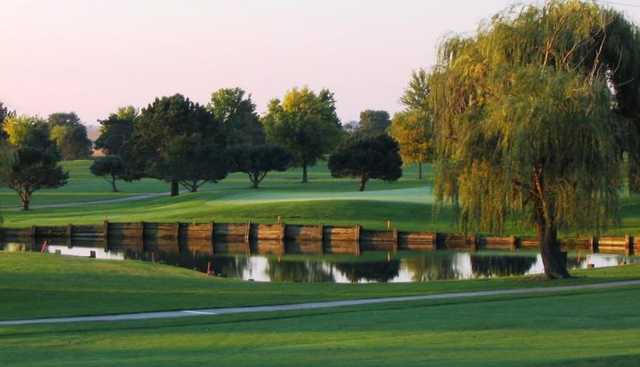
(596, 328)
(34, 285)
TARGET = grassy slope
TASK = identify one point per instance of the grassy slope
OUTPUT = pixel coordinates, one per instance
(586, 328)
(33, 285)
(408, 202)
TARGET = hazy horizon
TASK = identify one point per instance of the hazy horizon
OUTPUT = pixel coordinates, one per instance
(92, 57)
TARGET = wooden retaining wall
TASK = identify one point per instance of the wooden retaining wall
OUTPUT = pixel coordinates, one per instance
(246, 238)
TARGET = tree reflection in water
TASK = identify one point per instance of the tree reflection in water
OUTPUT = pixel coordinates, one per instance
(370, 267)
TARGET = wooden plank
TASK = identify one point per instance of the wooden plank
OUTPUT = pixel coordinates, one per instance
(417, 241)
(499, 243)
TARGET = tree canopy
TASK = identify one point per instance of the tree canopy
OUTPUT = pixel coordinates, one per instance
(69, 135)
(237, 114)
(367, 158)
(258, 160)
(33, 169)
(4, 114)
(180, 142)
(527, 119)
(34, 158)
(373, 123)
(116, 130)
(27, 131)
(304, 123)
(413, 133)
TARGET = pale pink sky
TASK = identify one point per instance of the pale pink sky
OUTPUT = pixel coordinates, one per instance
(92, 56)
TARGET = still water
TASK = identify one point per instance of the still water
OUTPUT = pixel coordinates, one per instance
(369, 267)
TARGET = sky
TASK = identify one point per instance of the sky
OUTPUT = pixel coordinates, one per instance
(93, 56)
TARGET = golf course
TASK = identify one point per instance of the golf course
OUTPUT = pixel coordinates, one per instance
(505, 329)
(408, 203)
(320, 183)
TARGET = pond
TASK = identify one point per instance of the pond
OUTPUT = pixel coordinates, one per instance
(366, 268)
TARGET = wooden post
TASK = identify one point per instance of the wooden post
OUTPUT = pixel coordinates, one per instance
(475, 242)
(628, 245)
(321, 226)
(105, 233)
(358, 229)
(247, 233)
(212, 231)
(283, 231)
(69, 234)
(141, 235)
(594, 245)
(396, 242)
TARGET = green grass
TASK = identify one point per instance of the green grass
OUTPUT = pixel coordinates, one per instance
(34, 285)
(581, 328)
(408, 203)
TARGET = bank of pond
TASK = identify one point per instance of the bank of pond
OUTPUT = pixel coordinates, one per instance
(247, 262)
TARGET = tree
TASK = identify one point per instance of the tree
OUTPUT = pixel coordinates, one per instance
(350, 127)
(32, 170)
(238, 116)
(34, 158)
(70, 135)
(178, 141)
(195, 161)
(304, 123)
(27, 131)
(6, 160)
(5, 113)
(373, 123)
(258, 160)
(413, 128)
(415, 97)
(526, 125)
(116, 130)
(367, 158)
(109, 167)
(412, 132)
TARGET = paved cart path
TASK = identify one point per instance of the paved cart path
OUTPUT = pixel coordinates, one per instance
(314, 305)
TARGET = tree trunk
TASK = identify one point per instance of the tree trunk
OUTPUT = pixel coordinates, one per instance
(113, 184)
(25, 203)
(553, 259)
(419, 170)
(363, 182)
(194, 186)
(175, 188)
(305, 177)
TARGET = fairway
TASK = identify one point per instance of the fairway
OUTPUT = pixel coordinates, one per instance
(408, 203)
(578, 328)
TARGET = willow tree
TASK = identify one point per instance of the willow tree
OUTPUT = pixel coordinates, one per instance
(531, 118)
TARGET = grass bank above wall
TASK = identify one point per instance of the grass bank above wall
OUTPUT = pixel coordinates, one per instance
(408, 203)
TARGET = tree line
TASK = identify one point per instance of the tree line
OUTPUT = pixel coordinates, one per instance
(187, 144)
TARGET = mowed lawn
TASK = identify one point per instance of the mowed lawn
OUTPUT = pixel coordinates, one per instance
(408, 203)
(580, 328)
(34, 285)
